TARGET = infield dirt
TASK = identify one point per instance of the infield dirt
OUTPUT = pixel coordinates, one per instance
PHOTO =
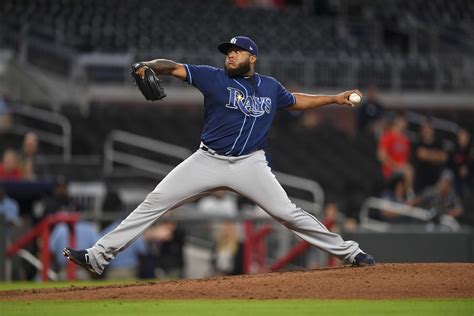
(383, 281)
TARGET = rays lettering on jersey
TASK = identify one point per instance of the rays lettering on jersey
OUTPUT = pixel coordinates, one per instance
(251, 105)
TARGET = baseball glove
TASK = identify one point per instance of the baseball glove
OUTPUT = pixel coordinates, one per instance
(148, 82)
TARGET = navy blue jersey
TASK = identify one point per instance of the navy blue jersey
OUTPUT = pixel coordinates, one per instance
(238, 111)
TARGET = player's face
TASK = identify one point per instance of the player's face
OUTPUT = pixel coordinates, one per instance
(237, 62)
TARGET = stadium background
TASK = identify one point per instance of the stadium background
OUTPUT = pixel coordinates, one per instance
(64, 75)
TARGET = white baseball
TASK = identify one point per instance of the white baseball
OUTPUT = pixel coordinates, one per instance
(354, 98)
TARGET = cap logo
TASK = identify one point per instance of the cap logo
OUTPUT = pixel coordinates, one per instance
(250, 48)
(233, 40)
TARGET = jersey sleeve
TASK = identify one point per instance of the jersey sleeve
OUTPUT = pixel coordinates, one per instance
(284, 97)
(201, 76)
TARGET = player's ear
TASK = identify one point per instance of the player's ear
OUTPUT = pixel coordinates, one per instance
(253, 59)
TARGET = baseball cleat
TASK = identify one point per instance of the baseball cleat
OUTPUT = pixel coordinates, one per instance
(363, 259)
(79, 257)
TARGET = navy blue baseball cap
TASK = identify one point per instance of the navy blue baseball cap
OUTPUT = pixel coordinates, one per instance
(243, 42)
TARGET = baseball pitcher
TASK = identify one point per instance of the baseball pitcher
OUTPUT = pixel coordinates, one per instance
(240, 105)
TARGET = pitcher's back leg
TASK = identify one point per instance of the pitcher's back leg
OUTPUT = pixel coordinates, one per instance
(192, 178)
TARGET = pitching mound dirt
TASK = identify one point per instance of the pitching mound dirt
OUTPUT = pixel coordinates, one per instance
(383, 281)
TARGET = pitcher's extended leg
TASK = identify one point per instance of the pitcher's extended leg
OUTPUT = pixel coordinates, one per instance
(257, 182)
(194, 176)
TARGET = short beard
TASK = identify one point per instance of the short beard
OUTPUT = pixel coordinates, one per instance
(240, 71)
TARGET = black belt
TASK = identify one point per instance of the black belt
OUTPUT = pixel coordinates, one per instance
(209, 150)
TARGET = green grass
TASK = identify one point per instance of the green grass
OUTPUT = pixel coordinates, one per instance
(246, 308)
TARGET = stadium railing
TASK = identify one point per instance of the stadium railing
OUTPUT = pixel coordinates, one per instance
(61, 140)
(89, 196)
(42, 231)
(422, 216)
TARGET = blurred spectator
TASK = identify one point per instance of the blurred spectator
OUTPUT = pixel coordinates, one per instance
(165, 258)
(332, 220)
(5, 116)
(350, 224)
(126, 265)
(28, 156)
(310, 120)
(397, 191)
(10, 169)
(86, 236)
(429, 157)
(370, 113)
(332, 217)
(59, 201)
(113, 202)
(219, 203)
(461, 161)
(441, 198)
(226, 249)
(10, 210)
(394, 150)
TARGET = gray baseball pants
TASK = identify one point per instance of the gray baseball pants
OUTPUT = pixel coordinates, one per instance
(203, 172)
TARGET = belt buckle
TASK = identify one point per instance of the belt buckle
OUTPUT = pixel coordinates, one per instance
(209, 150)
